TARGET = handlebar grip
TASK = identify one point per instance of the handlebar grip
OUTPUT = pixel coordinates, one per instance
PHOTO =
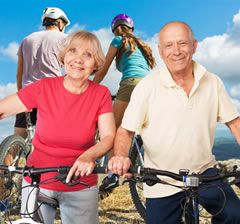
(104, 170)
(100, 170)
(134, 169)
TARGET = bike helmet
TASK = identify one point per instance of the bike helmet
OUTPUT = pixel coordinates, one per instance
(54, 13)
(122, 19)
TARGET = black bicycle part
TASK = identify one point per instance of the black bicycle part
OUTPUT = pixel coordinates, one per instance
(134, 186)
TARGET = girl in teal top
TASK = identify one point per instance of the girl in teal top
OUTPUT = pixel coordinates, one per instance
(133, 58)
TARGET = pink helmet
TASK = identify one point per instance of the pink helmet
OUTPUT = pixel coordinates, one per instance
(122, 19)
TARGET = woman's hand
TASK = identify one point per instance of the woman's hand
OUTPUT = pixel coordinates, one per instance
(83, 166)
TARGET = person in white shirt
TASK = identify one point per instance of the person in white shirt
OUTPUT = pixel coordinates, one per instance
(38, 57)
(176, 110)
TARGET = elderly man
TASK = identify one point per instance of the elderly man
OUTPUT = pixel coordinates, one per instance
(176, 110)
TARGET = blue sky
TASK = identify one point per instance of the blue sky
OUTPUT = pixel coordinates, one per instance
(207, 18)
(216, 24)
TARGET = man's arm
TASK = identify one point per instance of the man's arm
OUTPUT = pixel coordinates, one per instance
(120, 162)
(234, 126)
(19, 72)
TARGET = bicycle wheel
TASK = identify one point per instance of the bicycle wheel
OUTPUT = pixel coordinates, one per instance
(13, 151)
(136, 189)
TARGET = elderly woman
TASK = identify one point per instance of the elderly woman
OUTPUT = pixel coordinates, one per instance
(70, 109)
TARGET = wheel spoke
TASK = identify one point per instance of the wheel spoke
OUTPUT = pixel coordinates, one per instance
(13, 151)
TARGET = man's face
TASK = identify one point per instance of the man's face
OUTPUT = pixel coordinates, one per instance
(176, 47)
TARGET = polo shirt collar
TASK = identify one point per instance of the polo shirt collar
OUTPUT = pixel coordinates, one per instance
(198, 70)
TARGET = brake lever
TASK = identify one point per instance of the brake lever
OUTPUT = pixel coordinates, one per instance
(150, 180)
(76, 182)
(62, 177)
(235, 182)
(72, 182)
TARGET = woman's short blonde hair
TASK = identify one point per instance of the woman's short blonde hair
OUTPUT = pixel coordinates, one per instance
(84, 36)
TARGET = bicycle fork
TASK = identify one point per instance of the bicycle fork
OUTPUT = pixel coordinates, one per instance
(191, 211)
(195, 212)
(31, 205)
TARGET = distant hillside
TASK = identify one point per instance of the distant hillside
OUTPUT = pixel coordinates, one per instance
(226, 148)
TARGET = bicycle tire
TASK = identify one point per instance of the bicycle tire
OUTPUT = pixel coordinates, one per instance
(136, 190)
(13, 151)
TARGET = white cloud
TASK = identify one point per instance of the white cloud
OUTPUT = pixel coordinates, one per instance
(236, 19)
(237, 103)
(8, 89)
(236, 28)
(221, 53)
(235, 90)
(105, 36)
(113, 76)
(6, 125)
(10, 51)
(152, 42)
(75, 27)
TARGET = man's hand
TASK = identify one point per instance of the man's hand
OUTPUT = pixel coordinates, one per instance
(120, 165)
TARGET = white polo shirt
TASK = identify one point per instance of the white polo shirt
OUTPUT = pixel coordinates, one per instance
(178, 131)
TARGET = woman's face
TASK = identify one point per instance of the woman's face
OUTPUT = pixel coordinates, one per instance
(79, 60)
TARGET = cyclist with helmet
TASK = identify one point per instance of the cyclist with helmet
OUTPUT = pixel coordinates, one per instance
(134, 60)
(37, 57)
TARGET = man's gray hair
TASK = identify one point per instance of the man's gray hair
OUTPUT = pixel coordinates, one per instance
(180, 22)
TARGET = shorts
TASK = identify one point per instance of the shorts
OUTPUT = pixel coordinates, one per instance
(126, 87)
(21, 119)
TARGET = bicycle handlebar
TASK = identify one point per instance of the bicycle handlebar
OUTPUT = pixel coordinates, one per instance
(190, 180)
(144, 172)
(27, 171)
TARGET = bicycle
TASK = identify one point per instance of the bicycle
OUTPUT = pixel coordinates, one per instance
(35, 198)
(191, 184)
(14, 151)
